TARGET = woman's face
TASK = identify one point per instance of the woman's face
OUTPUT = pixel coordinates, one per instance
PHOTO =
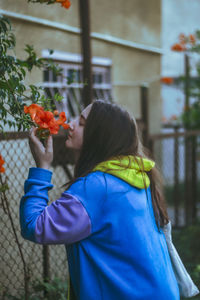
(75, 136)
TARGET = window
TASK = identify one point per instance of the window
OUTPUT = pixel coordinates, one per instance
(70, 83)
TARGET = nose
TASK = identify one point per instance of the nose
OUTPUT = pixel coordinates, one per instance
(71, 125)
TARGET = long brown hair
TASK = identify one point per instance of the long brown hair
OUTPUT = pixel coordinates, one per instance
(111, 132)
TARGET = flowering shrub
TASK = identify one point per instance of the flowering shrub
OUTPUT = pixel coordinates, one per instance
(15, 95)
(22, 106)
(64, 3)
(190, 117)
(185, 43)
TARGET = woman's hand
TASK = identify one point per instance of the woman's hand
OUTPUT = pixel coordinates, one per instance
(43, 156)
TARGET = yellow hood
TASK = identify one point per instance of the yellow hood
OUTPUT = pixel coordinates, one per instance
(131, 169)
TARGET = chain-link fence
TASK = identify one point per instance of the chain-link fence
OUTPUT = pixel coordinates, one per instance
(177, 154)
(180, 170)
(40, 261)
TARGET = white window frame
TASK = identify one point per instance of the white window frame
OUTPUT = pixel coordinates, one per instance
(71, 93)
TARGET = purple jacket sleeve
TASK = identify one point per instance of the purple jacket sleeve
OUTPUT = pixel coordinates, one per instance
(65, 221)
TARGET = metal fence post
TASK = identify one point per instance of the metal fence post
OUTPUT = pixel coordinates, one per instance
(176, 178)
(46, 266)
(187, 180)
(187, 143)
(194, 181)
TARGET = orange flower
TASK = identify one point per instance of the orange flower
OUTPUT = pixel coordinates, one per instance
(32, 110)
(167, 80)
(173, 118)
(164, 119)
(192, 39)
(2, 169)
(64, 3)
(56, 113)
(182, 38)
(65, 126)
(45, 120)
(62, 119)
(178, 47)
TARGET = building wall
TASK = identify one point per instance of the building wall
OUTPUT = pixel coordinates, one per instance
(137, 21)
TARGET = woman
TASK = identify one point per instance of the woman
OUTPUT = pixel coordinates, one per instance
(111, 214)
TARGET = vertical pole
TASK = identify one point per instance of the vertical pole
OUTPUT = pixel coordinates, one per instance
(144, 114)
(46, 265)
(194, 179)
(84, 12)
(187, 80)
(188, 179)
(187, 143)
(151, 147)
(176, 178)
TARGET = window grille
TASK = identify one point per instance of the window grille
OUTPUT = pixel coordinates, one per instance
(70, 83)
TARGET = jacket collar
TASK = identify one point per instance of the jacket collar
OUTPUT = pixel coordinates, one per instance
(131, 169)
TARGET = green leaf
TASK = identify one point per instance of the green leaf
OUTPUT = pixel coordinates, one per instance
(3, 85)
(4, 188)
(58, 97)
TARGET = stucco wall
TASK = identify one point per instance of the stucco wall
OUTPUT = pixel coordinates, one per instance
(134, 20)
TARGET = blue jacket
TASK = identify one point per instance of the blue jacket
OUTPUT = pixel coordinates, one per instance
(115, 250)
